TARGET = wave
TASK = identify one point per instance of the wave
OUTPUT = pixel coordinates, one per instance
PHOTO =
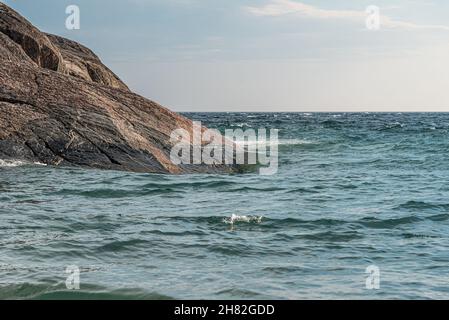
(295, 142)
(418, 236)
(246, 188)
(439, 217)
(58, 291)
(123, 245)
(248, 219)
(147, 189)
(393, 125)
(240, 125)
(234, 293)
(304, 190)
(421, 205)
(216, 222)
(266, 223)
(376, 223)
(200, 184)
(281, 142)
(333, 236)
(117, 193)
(332, 123)
(18, 163)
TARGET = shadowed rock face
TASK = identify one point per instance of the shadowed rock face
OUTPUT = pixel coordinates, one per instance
(81, 62)
(60, 105)
(34, 43)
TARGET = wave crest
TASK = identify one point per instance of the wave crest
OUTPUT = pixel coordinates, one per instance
(18, 163)
(248, 219)
(280, 142)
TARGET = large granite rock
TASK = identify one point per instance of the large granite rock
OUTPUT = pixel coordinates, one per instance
(59, 105)
(34, 43)
(81, 62)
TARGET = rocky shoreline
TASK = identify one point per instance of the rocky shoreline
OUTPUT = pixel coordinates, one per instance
(59, 105)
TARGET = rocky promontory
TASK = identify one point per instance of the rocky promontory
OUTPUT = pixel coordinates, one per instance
(59, 105)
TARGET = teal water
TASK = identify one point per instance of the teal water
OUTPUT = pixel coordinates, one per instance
(352, 190)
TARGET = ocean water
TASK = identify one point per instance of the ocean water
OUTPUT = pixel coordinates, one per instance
(353, 190)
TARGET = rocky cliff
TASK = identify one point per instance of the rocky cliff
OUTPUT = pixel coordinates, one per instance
(59, 105)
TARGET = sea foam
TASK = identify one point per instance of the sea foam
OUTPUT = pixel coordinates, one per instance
(18, 163)
(236, 218)
(281, 142)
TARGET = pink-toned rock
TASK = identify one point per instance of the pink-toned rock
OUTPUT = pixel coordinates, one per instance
(60, 105)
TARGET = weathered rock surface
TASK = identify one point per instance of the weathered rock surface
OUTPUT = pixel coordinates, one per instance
(34, 43)
(60, 105)
(81, 62)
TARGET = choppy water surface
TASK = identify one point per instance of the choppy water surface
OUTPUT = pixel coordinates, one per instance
(353, 190)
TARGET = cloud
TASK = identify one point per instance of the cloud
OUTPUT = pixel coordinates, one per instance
(276, 8)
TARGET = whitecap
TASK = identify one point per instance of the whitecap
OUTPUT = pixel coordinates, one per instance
(11, 163)
(293, 142)
(18, 163)
(281, 142)
(248, 219)
(241, 125)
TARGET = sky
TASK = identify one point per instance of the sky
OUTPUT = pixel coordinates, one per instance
(266, 55)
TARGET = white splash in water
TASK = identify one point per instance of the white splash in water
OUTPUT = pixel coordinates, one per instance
(241, 125)
(18, 163)
(281, 142)
(236, 218)
(11, 163)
